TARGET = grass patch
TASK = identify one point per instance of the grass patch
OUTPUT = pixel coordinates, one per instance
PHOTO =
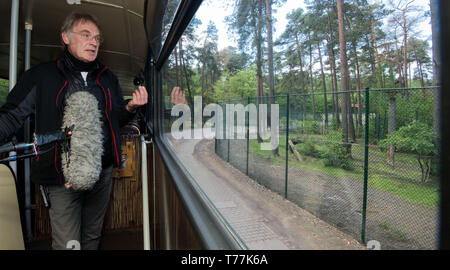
(407, 189)
(394, 233)
(412, 192)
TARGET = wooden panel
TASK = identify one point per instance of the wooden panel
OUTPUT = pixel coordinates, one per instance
(172, 228)
(42, 228)
(125, 205)
(128, 161)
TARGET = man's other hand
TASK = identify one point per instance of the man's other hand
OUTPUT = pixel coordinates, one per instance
(140, 97)
(177, 96)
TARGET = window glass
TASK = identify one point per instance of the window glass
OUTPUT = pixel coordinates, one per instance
(4, 89)
(307, 142)
(169, 15)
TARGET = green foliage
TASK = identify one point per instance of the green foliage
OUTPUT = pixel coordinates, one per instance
(333, 152)
(238, 86)
(308, 148)
(415, 105)
(302, 127)
(311, 127)
(411, 105)
(330, 151)
(231, 60)
(393, 232)
(416, 138)
(384, 178)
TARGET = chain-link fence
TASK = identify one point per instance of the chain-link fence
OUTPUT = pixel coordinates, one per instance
(376, 181)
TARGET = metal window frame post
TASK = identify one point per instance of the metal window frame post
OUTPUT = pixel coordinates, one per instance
(13, 59)
(145, 195)
(27, 131)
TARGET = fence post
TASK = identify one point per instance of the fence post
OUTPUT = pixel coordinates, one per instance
(248, 131)
(226, 133)
(287, 146)
(215, 134)
(366, 167)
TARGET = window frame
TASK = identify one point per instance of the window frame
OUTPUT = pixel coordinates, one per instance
(215, 232)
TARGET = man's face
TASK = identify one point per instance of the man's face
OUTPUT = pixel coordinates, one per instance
(82, 41)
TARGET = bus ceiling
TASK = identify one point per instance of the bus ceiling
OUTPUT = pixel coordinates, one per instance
(125, 45)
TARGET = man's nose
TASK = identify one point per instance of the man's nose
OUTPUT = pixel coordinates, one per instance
(93, 42)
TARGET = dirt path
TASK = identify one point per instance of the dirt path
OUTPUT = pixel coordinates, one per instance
(241, 198)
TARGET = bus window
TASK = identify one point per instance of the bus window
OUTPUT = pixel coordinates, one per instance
(283, 138)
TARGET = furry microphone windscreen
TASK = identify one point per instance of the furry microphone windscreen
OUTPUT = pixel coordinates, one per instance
(83, 164)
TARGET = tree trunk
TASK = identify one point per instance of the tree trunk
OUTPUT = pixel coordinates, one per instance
(204, 67)
(300, 62)
(270, 59)
(378, 70)
(270, 48)
(405, 49)
(203, 78)
(390, 60)
(422, 82)
(392, 126)
(212, 82)
(177, 67)
(325, 101)
(333, 90)
(183, 65)
(311, 81)
(259, 79)
(351, 125)
(345, 76)
(333, 74)
(410, 74)
(259, 50)
(302, 77)
(358, 84)
(373, 76)
(419, 64)
(399, 63)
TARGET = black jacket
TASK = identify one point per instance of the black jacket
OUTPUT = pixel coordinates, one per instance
(41, 90)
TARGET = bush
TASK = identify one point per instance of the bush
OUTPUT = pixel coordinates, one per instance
(308, 148)
(333, 152)
(311, 127)
(418, 139)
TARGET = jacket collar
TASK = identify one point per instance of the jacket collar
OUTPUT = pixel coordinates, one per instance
(64, 69)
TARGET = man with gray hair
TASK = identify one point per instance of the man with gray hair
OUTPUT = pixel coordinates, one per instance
(75, 90)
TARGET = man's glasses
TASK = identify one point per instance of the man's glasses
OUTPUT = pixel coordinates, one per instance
(87, 36)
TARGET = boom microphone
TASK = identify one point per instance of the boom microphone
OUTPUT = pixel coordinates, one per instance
(46, 138)
(39, 140)
(15, 147)
(81, 161)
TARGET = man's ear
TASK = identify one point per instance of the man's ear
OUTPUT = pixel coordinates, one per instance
(65, 38)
